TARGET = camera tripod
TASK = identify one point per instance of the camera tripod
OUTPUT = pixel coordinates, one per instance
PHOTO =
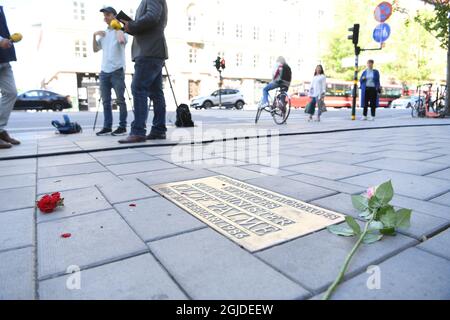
(100, 103)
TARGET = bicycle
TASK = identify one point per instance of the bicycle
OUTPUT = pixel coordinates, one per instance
(419, 109)
(280, 108)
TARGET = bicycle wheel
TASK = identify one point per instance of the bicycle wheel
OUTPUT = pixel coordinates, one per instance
(258, 114)
(282, 109)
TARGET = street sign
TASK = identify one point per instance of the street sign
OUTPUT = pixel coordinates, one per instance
(382, 32)
(383, 12)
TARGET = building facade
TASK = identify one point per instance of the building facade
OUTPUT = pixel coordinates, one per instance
(249, 34)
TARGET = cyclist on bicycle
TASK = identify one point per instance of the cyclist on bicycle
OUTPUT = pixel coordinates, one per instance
(281, 78)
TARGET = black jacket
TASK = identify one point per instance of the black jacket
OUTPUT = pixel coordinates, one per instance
(148, 30)
(6, 55)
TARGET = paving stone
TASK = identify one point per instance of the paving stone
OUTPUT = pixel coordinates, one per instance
(146, 175)
(329, 170)
(428, 207)
(406, 166)
(438, 245)
(315, 260)
(328, 184)
(64, 160)
(405, 147)
(128, 190)
(137, 278)
(421, 223)
(227, 271)
(97, 239)
(110, 153)
(409, 185)
(137, 167)
(30, 163)
(154, 151)
(70, 170)
(161, 178)
(411, 275)
(267, 170)
(444, 174)
(124, 158)
(445, 150)
(17, 274)
(444, 200)
(345, 157)
(302, 152)
(442, 159)
(16, 229)
(77, 202)
(157, 218)
(357, 149)
(237, 173)
(17, 170)
(12, 199)
(59, 184)
(408, 155)
(18, 181)
(295, 189)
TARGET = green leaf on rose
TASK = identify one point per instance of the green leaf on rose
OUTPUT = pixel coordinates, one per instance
(376, 225)
(389, 218)
(388, 232)
(366, 215)
(372, 238)
(403, 219)
(341, 230)
(361, 203)
(353, 224)
(385, 192)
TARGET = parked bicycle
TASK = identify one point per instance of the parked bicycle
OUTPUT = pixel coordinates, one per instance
(425, 106)
(280, 108)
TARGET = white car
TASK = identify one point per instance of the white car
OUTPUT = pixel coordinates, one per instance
(405, 102)
(230, 99)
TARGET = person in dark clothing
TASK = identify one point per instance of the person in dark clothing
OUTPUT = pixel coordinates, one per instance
(370, 90)
(7, 83)
(149, 52)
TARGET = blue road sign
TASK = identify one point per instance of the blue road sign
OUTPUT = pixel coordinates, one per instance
(382, 32)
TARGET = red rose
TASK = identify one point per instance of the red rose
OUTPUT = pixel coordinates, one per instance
(49, 203)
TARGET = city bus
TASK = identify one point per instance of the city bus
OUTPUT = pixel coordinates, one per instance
(339, 94)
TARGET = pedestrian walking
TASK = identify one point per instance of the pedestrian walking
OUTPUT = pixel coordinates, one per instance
(112, 75)
(370, 91)
(317, 94)
(7, 83)
(149, 52)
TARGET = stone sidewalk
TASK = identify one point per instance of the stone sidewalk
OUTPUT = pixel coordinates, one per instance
(155, 250)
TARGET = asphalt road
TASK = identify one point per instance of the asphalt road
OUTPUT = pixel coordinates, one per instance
(41, 121)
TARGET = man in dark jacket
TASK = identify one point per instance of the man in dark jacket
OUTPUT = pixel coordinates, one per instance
(149, 52)
(7, 83)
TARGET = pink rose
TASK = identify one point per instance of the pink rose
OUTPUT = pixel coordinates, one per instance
(371, 192)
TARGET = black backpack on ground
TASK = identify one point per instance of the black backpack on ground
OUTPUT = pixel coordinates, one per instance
(67, 127)
(184, 117)
(287, 73)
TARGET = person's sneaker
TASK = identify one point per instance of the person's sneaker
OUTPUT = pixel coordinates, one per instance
(5, 145)
(154, 136)
(104, 132)
(371, 119)
(120, 131)
(363, 118)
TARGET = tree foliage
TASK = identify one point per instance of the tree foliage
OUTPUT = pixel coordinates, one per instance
(437, 22)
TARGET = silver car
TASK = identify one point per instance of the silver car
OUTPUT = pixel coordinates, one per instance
(231, 98)
(405, 102)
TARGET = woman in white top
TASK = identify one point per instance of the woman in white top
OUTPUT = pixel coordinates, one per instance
(317, 91)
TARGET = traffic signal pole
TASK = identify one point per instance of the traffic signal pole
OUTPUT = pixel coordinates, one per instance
(355, 83)
(220, 89)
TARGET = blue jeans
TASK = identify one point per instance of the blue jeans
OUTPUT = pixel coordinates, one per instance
(147, 83)
(108, 81)
(269, 87)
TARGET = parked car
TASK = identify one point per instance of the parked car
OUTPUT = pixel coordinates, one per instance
(230, 99)
(405, 102)
(42, 100)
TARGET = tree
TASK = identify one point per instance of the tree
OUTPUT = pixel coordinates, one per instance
(438, 24)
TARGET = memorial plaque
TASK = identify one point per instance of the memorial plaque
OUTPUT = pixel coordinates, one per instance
(252, 217)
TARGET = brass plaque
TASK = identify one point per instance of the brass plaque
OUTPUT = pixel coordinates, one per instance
(252, 217)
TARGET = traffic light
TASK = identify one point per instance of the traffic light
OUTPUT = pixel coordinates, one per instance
(217, 63)
(222, 64)
(355, 34)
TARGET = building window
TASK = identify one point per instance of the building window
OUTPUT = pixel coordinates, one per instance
(220, 28)
(272, 61)
(239, 31)
(79, 11)
(192, 17)
(286, 38)
(239, 60)
(192, 22)
(271, 35)
(299, 64)
(80, 49)
(193, 55)
(255, 61)
(255, 33)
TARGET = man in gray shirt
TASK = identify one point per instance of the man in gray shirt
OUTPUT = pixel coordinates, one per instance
(149, 53)
(112, 76)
